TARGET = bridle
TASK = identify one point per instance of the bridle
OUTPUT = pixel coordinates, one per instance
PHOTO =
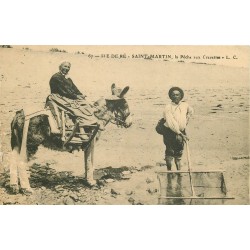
(118, 121)
(120, 114)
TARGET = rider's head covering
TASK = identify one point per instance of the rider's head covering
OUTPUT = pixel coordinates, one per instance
(64, 62)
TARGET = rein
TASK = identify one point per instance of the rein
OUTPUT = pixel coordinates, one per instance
(113, 118)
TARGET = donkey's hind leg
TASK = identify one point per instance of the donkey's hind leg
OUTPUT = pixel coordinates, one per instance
(13, 165)
(22, 166)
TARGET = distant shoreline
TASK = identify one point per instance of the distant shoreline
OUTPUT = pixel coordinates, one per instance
(232, 56)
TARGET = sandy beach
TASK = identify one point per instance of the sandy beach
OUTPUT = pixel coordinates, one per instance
(218, 131)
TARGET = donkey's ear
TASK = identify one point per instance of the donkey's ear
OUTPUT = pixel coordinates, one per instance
(124, 92)
(115, 91)
(113, 88)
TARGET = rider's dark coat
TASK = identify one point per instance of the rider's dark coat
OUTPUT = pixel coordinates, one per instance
(63, 86)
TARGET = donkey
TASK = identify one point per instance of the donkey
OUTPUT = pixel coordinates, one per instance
(29, 130)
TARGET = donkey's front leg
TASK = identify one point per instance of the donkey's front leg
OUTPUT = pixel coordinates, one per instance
(89, 163)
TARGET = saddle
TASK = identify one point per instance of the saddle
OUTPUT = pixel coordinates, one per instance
(67, 124)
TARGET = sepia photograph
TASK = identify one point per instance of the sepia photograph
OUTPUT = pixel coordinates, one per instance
(124, 125)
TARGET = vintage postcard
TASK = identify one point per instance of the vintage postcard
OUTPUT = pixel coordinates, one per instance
(124, 125)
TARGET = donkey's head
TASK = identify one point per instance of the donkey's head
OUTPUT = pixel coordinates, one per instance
(118, 106)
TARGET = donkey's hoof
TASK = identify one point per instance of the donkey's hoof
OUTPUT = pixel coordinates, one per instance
(91, 182)
(27, 191)
(14, 189)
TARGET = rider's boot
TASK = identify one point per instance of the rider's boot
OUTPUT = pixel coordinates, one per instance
(83, 134)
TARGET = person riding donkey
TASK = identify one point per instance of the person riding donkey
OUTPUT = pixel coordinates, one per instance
(65, 94)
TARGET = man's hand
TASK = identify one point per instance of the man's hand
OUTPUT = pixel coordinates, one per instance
(184, 137)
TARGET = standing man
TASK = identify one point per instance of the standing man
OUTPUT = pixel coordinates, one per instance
(176, 115)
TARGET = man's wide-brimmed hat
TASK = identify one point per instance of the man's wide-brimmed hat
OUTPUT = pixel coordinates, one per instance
(175, 88)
